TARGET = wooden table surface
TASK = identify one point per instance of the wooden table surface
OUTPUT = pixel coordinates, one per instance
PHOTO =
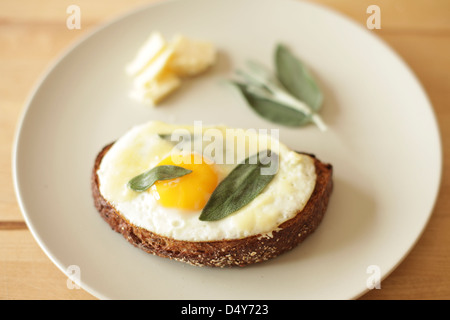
(33, 33)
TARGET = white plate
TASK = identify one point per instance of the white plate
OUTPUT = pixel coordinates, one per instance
(383, 142)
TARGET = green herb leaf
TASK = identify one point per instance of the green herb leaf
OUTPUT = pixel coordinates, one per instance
(240, 187)
(145, 180)
(270, 110)
(183, 137)
(290, 97)
(296, 78)
(165, 136)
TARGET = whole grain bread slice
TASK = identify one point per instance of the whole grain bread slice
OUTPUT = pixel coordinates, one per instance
(223, 253)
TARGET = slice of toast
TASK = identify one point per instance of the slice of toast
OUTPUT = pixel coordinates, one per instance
(223, 253)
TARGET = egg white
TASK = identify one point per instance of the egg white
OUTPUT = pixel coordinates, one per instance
(141, 148)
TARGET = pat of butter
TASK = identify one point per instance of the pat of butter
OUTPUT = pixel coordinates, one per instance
(159, 65)
(157, 89)
(146, 54)
(191, 57)
(154, 69)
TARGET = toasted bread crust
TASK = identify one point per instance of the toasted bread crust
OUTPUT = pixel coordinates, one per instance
(223, 253)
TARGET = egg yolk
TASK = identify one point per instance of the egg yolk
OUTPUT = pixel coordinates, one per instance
(189, 192)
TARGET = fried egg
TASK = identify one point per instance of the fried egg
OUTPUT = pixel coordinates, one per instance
(172, 207)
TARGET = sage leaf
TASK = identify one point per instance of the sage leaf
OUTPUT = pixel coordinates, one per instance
(145, 180)
(289, 97)
(171, 137)
(296, 78)
(244, 183)
(165, 136)
(271, 110)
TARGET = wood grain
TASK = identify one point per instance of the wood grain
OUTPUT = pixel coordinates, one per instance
(33, 33)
